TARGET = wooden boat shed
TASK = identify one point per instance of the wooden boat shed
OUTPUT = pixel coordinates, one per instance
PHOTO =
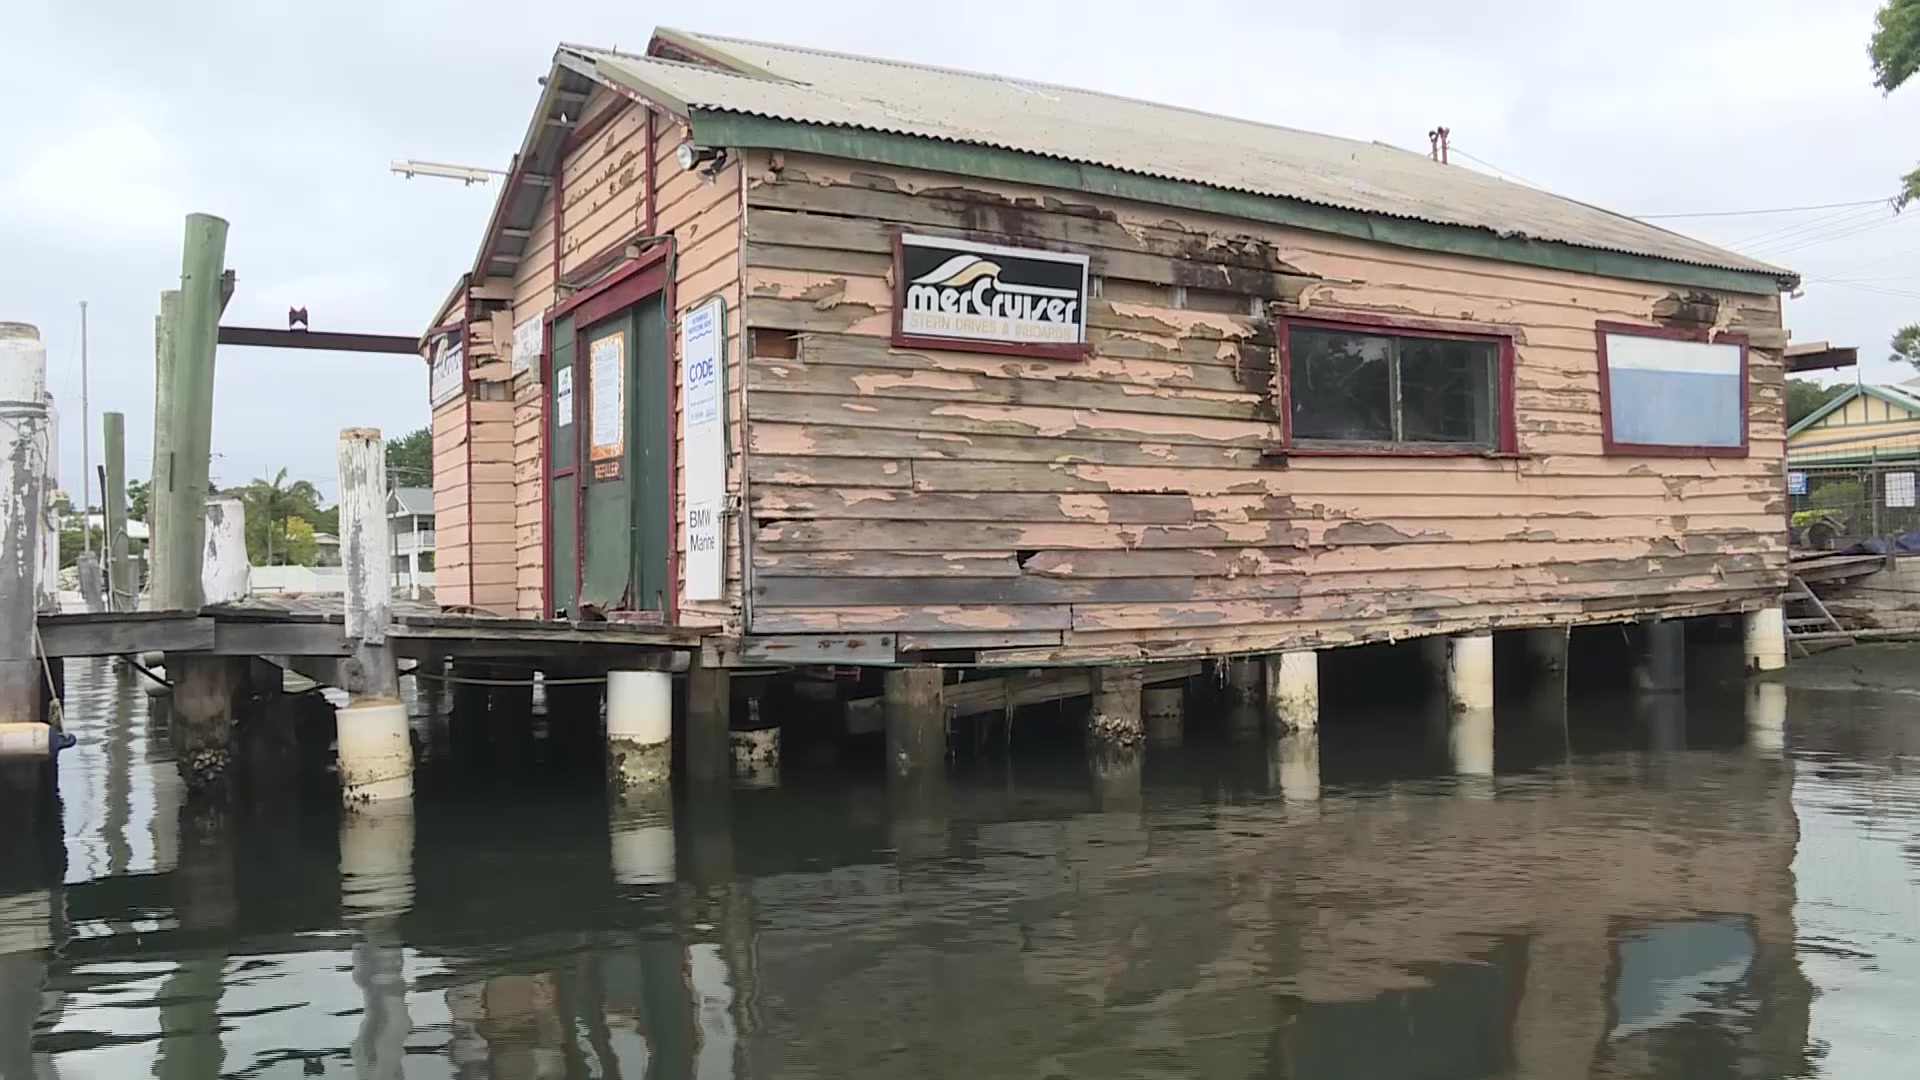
(852, 360)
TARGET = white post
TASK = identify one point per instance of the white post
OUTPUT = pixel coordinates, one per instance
(1470, 670)
(1766, 639)
(376, 756)
(49, 600)
(1470, 741)
(23, 413)
(226, 576)
(640, 728)
(1293, 689)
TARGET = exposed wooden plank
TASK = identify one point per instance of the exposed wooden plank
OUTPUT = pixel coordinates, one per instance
(814, 436)
(1214, 366)
(788, 376)
(777, 502)
(779, 592)
(963, 418)
(923, 619)
(64, 635)
(978, 639)
(977, 536)
(762, 648)
(279, 639)
(903, 564)
(830, 471)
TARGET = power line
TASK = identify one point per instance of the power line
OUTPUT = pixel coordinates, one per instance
(1768, 210)
(1496, 168)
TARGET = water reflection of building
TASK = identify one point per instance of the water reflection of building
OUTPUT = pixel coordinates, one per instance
(1413, 932)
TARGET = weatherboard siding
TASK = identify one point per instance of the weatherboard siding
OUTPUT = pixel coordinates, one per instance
(1121, 505)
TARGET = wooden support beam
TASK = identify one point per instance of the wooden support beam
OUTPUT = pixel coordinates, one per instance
(186, 485)
(126, 634)
(124, 591)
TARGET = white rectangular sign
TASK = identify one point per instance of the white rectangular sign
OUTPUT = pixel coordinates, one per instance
(563, 396)
(528, 337)
(448, 373)
(703, 436)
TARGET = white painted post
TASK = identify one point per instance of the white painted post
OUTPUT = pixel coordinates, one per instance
(1766, 639)
(1470, 670)
(640, 729)
(1293, 689)
(375, 753)
(1470, 741)
(226, 575)
(23, 412)
(49, 578)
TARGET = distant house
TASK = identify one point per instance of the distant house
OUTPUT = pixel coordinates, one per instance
(1864, 425)
(410, 520)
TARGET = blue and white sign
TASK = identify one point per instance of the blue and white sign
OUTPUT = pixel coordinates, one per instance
(703, 340)
(1796, 483)
(1677, 394)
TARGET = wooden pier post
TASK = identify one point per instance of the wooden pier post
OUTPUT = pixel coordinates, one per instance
(916, 714)
(49, 576)
(123, 591)
(1660, 656)
(183, 484)
(23, 412)
(709, 703)
(1164, 709)
(163, 330)
(375, 752)
(1115, 717)
(225, 572)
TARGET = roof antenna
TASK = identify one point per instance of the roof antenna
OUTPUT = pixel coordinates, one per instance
(1437, 139)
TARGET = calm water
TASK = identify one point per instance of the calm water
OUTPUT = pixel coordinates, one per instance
(1694, 894)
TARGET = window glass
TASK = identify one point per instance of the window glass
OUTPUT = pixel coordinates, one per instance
(1341, 386)
(1392, 390)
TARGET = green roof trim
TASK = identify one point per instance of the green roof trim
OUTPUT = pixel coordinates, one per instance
(1891, 397)
(714, 127)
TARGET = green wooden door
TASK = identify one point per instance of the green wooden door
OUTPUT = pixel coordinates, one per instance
(624, 482)
(563, 460)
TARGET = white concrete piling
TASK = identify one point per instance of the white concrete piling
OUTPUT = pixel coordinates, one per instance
(1766, 639)
(1470, 670)
(1470, 742)
(226, 573)
(1164, 709)
(49, 576)
(374, 748)
(640, 729)
(1293, 689)
(23, 413)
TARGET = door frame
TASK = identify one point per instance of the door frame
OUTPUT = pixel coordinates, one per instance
(636, 280)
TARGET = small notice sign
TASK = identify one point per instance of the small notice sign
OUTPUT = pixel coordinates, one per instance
(606, 397)
(1900, 490)
(563, 396)
(1796, 483)
(448, 371)
(528, 337)
(703, 340)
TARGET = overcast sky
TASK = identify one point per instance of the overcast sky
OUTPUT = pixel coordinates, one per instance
(117, 117)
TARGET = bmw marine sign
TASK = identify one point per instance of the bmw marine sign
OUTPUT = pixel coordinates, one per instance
(955, 294)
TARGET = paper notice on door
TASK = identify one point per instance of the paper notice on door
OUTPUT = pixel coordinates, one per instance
(563, 396)
(606, 395)
(1900, 490)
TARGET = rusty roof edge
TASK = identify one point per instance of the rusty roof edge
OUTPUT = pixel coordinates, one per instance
(719, 125)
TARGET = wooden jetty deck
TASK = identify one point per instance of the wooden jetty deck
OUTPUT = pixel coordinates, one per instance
(315, 627)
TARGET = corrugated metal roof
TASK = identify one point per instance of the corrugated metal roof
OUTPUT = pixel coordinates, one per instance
(794, 84)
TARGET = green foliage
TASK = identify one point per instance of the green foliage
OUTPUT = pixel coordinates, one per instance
(410, 459)
(298, 541)
(1895, 47)
(1804, 398)
(1906, 345)
(71, 543)
(137, 500)
(270, 505)
(1837, 497)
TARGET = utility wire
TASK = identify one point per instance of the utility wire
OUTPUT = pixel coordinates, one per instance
(1767, 210)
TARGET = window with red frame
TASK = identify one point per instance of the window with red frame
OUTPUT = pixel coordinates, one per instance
(1373, 389)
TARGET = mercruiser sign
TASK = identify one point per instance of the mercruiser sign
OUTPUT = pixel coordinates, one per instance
(956, 294)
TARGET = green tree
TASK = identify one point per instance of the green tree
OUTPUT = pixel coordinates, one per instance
(1906, 345)
(137, 498)
(1804, 397)
(270, 505)
(300, 547)
(410, 459)
(1895, 51)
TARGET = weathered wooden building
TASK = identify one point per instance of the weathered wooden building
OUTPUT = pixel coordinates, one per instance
(851, 359)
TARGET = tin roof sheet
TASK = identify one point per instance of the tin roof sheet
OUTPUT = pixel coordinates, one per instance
(788, 83)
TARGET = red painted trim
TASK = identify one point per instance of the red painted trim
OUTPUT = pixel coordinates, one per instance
(546, 467)
(1611, 446)
(902, 340)
(1500, 336)
(653, 178)
(467, 404)
(671, 602)
(629, 290)
(584, 299)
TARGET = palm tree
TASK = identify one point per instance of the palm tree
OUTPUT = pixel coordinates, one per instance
(274, 501)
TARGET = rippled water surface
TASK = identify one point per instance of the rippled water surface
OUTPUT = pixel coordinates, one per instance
(1613, 894)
